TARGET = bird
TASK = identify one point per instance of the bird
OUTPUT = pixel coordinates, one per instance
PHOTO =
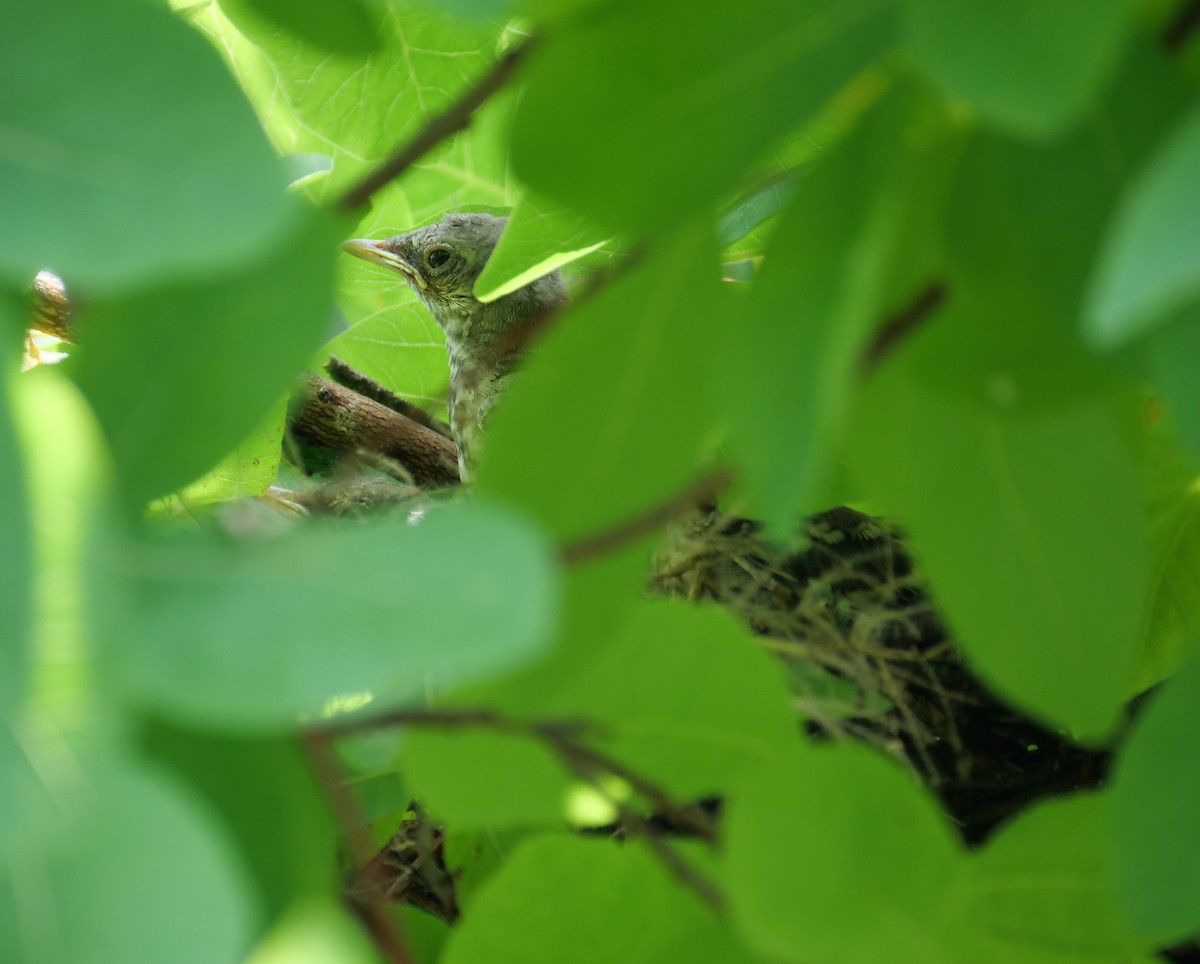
(485, 342)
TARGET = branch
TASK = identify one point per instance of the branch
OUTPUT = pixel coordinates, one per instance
(344, 420)
(51, 309)
(452, 120)
(626, 532)
(563, 737)
(1182, 27)
(352, 378)
(384, 927)
(901, 325)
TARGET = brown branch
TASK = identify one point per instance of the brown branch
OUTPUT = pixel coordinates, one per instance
(563, 737)
(632, 529)
(341, 419)
(452, 120)
(384, 927)
(352, 378)
(1182, 27)
(900, 326)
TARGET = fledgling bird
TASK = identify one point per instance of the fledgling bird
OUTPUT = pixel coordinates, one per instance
(483, 341)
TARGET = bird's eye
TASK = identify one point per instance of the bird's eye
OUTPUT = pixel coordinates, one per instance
(437, 258)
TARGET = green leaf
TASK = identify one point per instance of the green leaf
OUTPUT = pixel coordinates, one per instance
(264, 792)
(339, 26)
(1168, 356)
(993, 467)
(1149, 270)
(359, 110)
(624, 432)
(479, 779)
(861, 237)
(538, 238)
(837, 855)
(1047, 882)
(589, 902)
(1028, 66)
(104, 892)
(248, 470)
(316, 931)
(126, 161)
(179, 374)
(636, 126)
(253, 636)
(682, 694)
(1155, 798)
(16, 547)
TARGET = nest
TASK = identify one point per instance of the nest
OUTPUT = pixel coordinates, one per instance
(870, 658)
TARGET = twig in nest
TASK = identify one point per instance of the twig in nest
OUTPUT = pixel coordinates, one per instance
(342, 419)
(452, 120)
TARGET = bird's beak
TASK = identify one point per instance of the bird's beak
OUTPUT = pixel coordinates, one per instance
(378, 252)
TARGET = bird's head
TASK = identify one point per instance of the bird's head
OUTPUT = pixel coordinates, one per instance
(440, 261)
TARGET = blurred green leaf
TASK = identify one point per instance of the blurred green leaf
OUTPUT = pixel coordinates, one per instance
(636, 124)
(340, 26)
(1149, 270)
(683, 693)
(861, 869)
(473, 779)
(1155, 798)
(250, 637)
(861, 237)
(109, 892)
(1028, 66)
(993, 467)
(316, 932)
(1168, 355)
(181, 373)
(1047, 881)
(538, 238)
(16, 547)
(563, 898)
(264, 791)
(131, 157)
(624, 432)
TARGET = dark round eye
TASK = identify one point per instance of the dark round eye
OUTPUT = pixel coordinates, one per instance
(437, 258)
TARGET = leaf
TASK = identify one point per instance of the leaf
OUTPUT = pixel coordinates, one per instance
(1027, 66)
(140, 163)
(251, 637)
(478, 779)
(179, 374)
(1047, 882)
(1040, 570)
(1154, 800)
(682, 694)
(1167, 358)
(860, 869)
(537, 239)
(339, 26)
(317, 931)
(624, 432)
(264, 792)
(1149, 270)
(561, 898)
(103, 894)
(861, 234)
(650, 126)
(16, 548)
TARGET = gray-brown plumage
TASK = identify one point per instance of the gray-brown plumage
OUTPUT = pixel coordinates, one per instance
(441, 262)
